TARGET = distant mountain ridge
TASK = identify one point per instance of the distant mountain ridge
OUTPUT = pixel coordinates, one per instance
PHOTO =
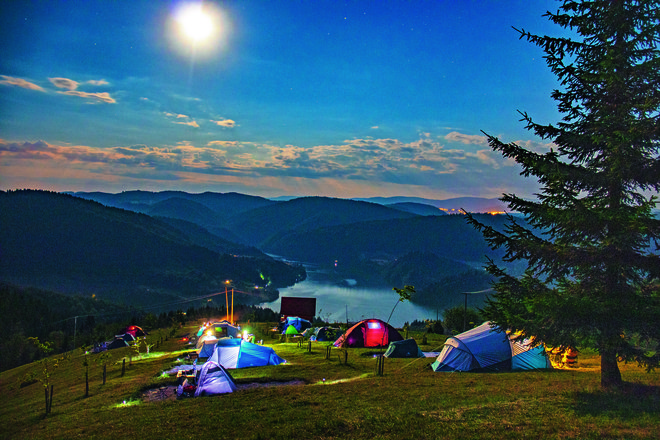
(364, 239)
(469, 204)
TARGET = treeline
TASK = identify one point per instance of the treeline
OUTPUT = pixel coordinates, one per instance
(69, 322)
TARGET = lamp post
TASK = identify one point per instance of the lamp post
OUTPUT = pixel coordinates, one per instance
(465, 307)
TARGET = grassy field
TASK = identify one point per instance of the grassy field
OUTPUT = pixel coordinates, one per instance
(334, 400)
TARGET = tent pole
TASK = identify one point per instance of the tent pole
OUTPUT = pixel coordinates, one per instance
(232, 306)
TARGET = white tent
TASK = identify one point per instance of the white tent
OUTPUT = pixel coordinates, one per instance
(214, 379)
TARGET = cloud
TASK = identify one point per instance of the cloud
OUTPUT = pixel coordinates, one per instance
(100, 82)
(227, 123)
(188, 120)
(222, 143)
(71, 87)
(64, 83)
(100, 97)
(19, 82)
(468, 139)
(421, 165)
(189, 123)
(375, 127)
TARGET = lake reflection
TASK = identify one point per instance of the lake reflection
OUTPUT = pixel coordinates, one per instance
(334, 302)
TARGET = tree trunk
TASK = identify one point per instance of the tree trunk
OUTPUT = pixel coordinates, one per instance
(104, 373)
(610, 376)
(86, 384)
(47, 395)
(50, 400)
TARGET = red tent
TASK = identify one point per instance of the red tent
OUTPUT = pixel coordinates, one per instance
(369, 333)
(135, 331)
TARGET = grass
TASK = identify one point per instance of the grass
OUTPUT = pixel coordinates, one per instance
(409, 401)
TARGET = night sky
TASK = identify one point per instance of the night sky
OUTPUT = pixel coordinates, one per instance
(333, 98)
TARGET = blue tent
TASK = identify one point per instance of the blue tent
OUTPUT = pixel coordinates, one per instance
(214, 379)
(237, 353)
(298, 323)
(487, 348)
(326, 334)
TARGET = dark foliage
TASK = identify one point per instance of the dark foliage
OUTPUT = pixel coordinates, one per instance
(592, 277)
(73, 245)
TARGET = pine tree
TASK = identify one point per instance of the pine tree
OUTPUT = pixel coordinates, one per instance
(593, 268)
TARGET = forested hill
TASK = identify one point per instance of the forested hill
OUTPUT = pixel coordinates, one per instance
(306, 214)
(72, 245)
(449, 236)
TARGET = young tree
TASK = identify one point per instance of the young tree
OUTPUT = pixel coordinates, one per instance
(592, 277)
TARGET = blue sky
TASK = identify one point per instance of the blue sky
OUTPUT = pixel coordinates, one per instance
(334, 98)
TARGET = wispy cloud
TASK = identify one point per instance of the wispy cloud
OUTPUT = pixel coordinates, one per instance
(64, 83)
(19, 82)
(187, 120)
(100, 82)
(99, 97)
(227, 123)
(71, 87)
(467, 139)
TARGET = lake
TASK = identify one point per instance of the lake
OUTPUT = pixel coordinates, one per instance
(335, 302)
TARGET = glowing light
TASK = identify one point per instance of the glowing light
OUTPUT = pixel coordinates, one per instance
(199, 28)
(127, 403)
(195, 23)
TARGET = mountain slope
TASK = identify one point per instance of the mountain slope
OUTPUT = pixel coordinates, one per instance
(142, 201)
(417, 208)
(448, 236)
(305, 214)
(73, 245)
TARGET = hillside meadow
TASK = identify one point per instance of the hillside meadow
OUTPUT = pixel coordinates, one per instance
(313, 397)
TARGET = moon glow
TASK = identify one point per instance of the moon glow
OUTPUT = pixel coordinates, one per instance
(195, 23)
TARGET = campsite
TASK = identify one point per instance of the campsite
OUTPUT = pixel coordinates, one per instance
(331, 398)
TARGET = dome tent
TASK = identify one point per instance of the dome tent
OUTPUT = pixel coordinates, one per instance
(488, 348)
(134, 331)
(326, 334)
(214, 379)
(297, 323)
(237, 353)
(407, 348)
(369, 333)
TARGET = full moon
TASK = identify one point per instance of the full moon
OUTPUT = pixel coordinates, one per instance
(195, 23)
(198, 29)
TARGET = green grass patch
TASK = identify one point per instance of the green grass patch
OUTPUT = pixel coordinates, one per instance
(320, 398)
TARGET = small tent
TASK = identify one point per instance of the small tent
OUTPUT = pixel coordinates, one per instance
(237, 353)
(203, 340)
(117, 343)
(487, 348)
(298, 323)
(135, 331)
(224, 329)
(404, 349)
(214, 379)
(207, 348)
(221, 329)
(291, 330)
(309, 332)
(326, 334)
(369, 333)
